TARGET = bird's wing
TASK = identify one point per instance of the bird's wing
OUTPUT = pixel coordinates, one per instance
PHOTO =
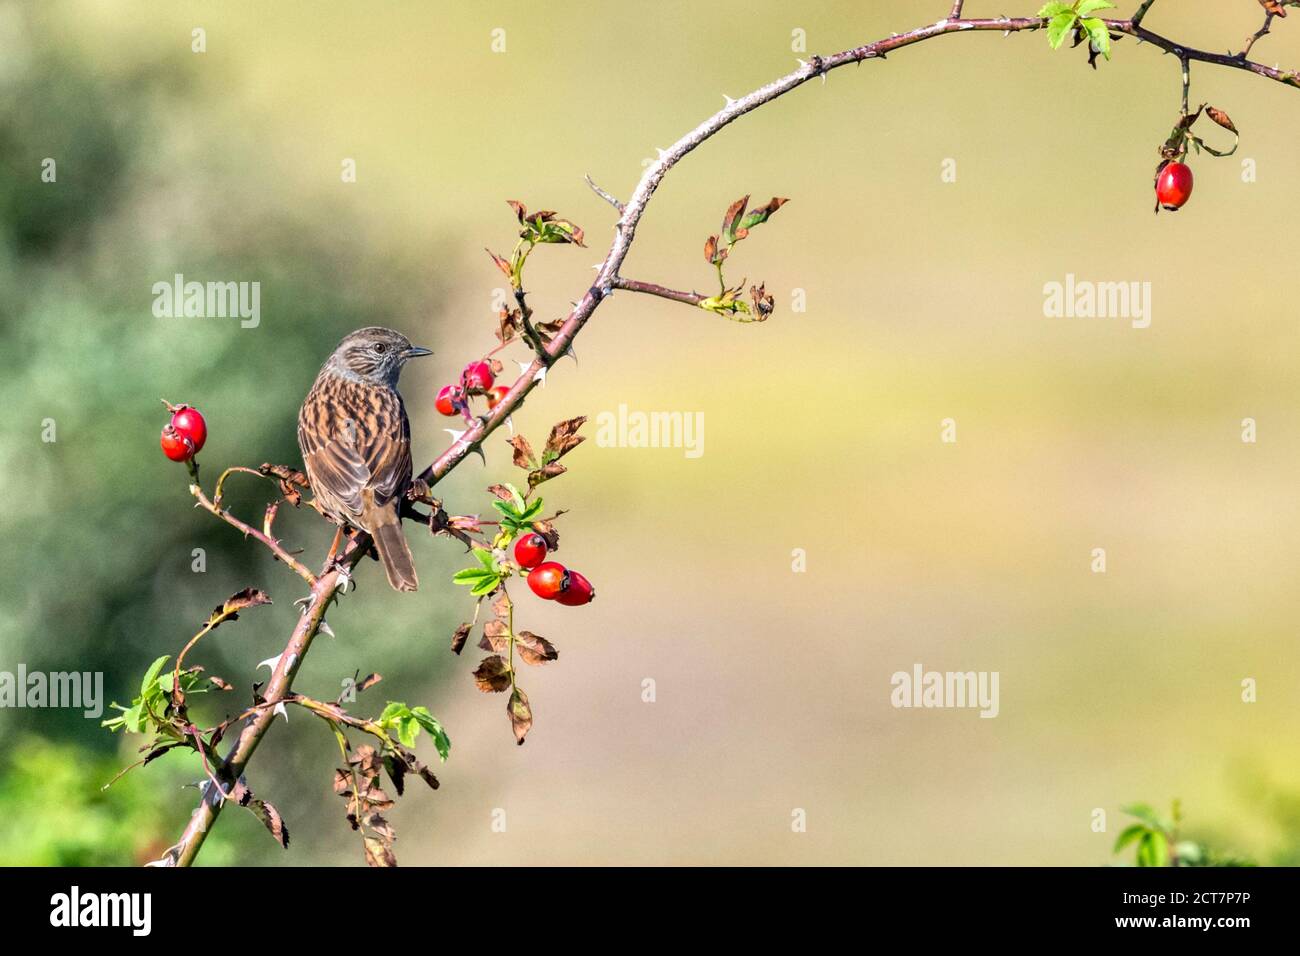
(355, 438)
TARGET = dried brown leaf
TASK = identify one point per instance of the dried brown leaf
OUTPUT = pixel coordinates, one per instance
(379, 853)
(492, 675)
(535, 649)
(731, 218)
(496, 637)
(460, 637)
(1220, 117)
(502, 264)
(521, 714)
(524, 457)
(502, 492)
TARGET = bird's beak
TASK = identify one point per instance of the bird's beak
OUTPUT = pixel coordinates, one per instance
(415, 352)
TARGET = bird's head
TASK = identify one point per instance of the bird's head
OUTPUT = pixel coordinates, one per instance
(375, 355)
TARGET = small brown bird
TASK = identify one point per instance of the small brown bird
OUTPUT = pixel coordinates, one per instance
(356, 442)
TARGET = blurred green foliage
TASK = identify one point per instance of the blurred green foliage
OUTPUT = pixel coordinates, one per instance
(55, 811)
(103, 580)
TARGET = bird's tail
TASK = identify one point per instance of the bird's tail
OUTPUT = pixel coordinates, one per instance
(394, 552)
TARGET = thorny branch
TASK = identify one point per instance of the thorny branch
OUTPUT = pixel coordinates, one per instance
(325, 585)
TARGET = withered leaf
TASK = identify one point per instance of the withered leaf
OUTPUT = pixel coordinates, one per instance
(264, 811)
(521, 714)
(546, 473)
(369, 681)
(289, 479)
(520, 209)
(535, 649)
(396, 769)
(240, 601)
(1220, 117)
(763, 303)
(510, 322)
(379, 853)
(548, 330)
(763, 213)
(731, 218)
(495, 636)
(564, 438)
(458, 639)
(524, 457)
(547, 530)
(711, 251)
(1274, 7)
(342, 781)
(382, 828)
(219, 684)
(366, 760)
(502, 264)
(375, 797)
(502, 492)
(492, 675)
(427, 776)
(501, 605)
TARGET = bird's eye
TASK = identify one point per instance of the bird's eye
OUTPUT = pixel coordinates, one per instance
(381, 348)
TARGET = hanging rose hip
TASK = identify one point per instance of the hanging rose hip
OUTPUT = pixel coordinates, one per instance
(174, 445)
(577, 592)
(1174, 185)
(189, 424)
(448, 397)
(478, 375)
(548, 580)
(496, 394)
(530, 550)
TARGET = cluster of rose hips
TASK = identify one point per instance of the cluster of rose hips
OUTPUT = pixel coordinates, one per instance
(550, 580)
(476, 379)
(184, 435)
(1173, 185)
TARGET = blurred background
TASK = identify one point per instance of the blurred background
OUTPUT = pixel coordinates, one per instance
(924, 301)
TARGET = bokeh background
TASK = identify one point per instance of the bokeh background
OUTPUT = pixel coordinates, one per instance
(924, 302)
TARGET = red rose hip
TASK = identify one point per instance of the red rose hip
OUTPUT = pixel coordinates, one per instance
(1174, 185)
(176, 446)
(577, 592)
(447, 399)
(495, 395)
(189, 424)
(478, 375)
(548, 580)
(530, 550)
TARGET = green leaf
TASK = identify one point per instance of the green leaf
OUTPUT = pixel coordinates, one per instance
(486, 586)
(471, 575)
(518, 498)
(1058, 27)
(152, 674)
(1098, 36)
(408, 728)
(1091, 6)
(1153, 850)
(1131, 833)
(1145, 813)
(431, 724)
(505, 509)
(484, 557)
(394, 709)
(1056, 8)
